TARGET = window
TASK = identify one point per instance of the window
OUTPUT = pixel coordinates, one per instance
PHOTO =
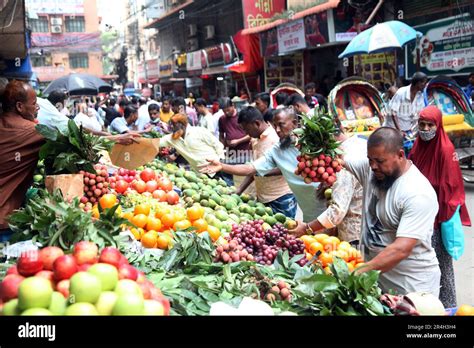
(43, 60)
(39, 25)
(75, 24)
(78, 61)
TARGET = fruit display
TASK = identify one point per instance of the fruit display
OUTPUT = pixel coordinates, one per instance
(95, 185)
(322, 249)
(318, 161)
(47, 282)
(251, 241)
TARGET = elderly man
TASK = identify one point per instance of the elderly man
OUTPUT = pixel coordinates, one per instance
(195, 144)
(399, 210)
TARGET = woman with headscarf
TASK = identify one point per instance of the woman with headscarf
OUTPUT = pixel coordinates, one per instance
(434, 155)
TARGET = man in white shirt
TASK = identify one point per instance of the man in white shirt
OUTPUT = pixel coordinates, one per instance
(406, 105)
(143, 115)
(399, 209)
(206, 120)
(87, 118)
(299, 104)
(50, 116)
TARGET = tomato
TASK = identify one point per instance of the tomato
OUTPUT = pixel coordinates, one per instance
(166, 184)
(140, 186)
(160, 195)
(147, 175)
(151, 186)
(121, 186)
(172, 198)
(129, 179)
(132, 172)
(122, 172)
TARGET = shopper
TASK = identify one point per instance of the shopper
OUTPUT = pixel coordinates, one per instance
(206, 119)
(87, 119)
(166, 113)
(155, 123)
(273, 191)
(179, 107)
(399, 210)
(434, 155)
(284, 157)
(111, 112)
(143, 115)
(262, 103)
(469, 89)
(405, 106)
(299, 104)
(310, 92)
(125, 124)
(281, 98)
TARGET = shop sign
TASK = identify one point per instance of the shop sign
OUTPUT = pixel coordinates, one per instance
(446, 48)
(193, 82)
(152, 70)
(55, 6)
(376, 68)
(345, 36)
(291, 36)
(194, 60)
(68, 42)
(261, 12)
(297, 5)
(217, 55)
(166, 68)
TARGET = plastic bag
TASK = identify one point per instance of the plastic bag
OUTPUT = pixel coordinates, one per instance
(452, 235)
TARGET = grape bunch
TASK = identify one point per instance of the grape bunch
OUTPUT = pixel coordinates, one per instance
(95, 185)
(232, 252)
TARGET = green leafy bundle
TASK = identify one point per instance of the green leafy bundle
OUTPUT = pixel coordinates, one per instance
(72, 150)
(49, 220)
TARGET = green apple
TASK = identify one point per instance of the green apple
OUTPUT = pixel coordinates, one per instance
(37, 311)
(153, 307)
(106, 302)
(129, 305)
(85, 287)
(81, 309)
(34, 292)
(107, 274)
(58, 304)
(11, 307)
(128, 287)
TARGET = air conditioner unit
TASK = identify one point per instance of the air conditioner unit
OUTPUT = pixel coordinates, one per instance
(56, 29)
(56, 21)
(210, 32)
(192, 45)
(192, 30)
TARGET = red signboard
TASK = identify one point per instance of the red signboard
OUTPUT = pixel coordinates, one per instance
(217, 55)
(260, 12)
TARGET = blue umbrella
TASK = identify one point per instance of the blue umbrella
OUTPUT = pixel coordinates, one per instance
(381, 37)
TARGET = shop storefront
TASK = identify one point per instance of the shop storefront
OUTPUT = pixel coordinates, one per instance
(217, 79)
(149, 73)
(170, 80)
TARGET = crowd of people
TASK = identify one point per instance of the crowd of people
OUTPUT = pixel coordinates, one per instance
(387, 203)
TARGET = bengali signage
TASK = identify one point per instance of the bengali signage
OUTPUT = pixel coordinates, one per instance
(166, 68)
(68, 42)
(291, 36)
(446, 47)
(55, 6)
(261, 12)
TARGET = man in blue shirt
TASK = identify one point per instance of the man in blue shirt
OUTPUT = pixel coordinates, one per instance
(469, 89)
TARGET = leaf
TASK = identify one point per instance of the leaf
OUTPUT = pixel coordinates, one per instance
(369, 279)
(374, 306)
(316, 283)
(339, 269)
(47, 132)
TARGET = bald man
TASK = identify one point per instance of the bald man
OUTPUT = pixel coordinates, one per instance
(399, 209)
(19, 148)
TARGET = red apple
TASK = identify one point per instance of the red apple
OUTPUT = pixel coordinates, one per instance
(85, 252)
(111, 256)
(29, 263)
(155, 293)
(47, 275)
(124, 261)
(48, 255)
(141, 278)
(12, 270)
(9, 287)
(166, 305)
(84, 267)
(63, 288)
(64, 267)
(128, 272)
(146, 290)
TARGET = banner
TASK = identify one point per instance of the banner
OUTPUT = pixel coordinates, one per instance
(260, 12)
(376, 68)
(291, 36)
(194, 61)
(69, 42)
(55, 6)
(446, 48)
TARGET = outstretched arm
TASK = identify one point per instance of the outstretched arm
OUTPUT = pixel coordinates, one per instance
(239, 170)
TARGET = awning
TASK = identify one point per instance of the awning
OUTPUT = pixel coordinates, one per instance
(154, 24)
(12, 35)
(316, 9)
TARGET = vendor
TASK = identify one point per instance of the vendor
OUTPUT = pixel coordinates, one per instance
(284, 157)
(399, 210)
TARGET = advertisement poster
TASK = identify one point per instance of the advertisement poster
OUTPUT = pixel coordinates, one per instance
(269, 43)
(260, 12)
(316, 29)
(55, 6)
(291, 36)
(446, 47)
(376, 68)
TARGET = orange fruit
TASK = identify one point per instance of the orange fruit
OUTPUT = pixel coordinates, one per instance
(344, 246)
(464, 310)
(214, 233)
(308, 240)
(159, 212)
(128, 216)
(196, 212)
(108, 201)
(95, 212)
(315, 247)
(200, 225)
(325, 259)
(320, 237)
(309, 257)
(153, 224)
(137, 233)
(163, 241)
(182, 225)
(341, 254)
(168, 220)
(150, 239)
(140, 220)
(327, 270)
(142, 209)
(350, 266)
(168, 233)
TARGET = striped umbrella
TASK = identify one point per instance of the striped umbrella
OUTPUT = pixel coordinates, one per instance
(381, 37)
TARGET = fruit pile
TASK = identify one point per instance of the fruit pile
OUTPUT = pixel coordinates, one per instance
(321, 169)
(322, 249)
(263, 245)
(47, 282)
(95, 185)
(279, 292)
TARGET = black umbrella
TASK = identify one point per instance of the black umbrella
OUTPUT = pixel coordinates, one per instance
(79, 84)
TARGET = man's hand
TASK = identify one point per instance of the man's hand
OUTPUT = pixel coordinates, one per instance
(300, 229)
(233, 143)
(127, 139)
(213, 167)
